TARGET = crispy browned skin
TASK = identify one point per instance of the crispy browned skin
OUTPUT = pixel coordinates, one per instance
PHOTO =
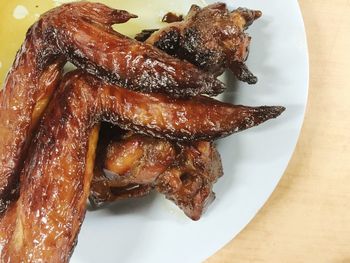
(185, 119)
(211, 38)
(132, 166)
(138, 158)
(55, 181)
(190, 119)
(81, 33)
(26, 92)
(127, 167)
(188, 182)
(71, 30)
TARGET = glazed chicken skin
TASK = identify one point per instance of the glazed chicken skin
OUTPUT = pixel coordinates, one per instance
(81, 33)
(212, 38)
(71, 29)
(134, 165)
(188, 182)
(42, 225)
(127, 166)
(23, 99)
(129, 162)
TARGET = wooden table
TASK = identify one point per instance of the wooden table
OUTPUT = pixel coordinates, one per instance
(307, 218)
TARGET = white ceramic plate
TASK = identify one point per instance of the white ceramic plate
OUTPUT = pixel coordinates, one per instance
(154, 230)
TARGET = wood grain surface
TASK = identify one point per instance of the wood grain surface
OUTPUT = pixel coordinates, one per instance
(307, 218)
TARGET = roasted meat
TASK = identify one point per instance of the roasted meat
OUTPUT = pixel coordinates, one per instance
(128, 166)
(164, 126)
(23, 99)
(158, 115)
(188, 182)
(133, 165)
(42, 225)
(81, 33)
(212, 38)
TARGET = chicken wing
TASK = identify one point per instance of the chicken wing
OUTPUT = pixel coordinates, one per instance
(132, 166)
(211, 38)
(128, 166)
(71, 30)
(42, 225)
(188, 182)
(81, 33)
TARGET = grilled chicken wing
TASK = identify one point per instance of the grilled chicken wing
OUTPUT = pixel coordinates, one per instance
(128, 166)
(81, 33)
(71, 30)
(188, 182)
(132, 166)
(23, 99)
(158, 115)
(211, 38)
(55, 181)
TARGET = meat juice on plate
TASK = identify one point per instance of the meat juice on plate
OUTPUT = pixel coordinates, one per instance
(17, 16)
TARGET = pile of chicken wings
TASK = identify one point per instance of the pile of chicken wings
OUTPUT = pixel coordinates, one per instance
(135, 116)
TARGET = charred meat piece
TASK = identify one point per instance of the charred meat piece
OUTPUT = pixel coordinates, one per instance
(212, 38)
(80, 32)
(128, 166)
(138, 158)
(188, 182)
(132, 166)
(42, 225)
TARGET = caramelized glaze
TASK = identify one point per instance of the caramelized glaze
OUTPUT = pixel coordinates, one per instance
(212, 38)
(55, 180)
(81, 33)
(133, 165)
